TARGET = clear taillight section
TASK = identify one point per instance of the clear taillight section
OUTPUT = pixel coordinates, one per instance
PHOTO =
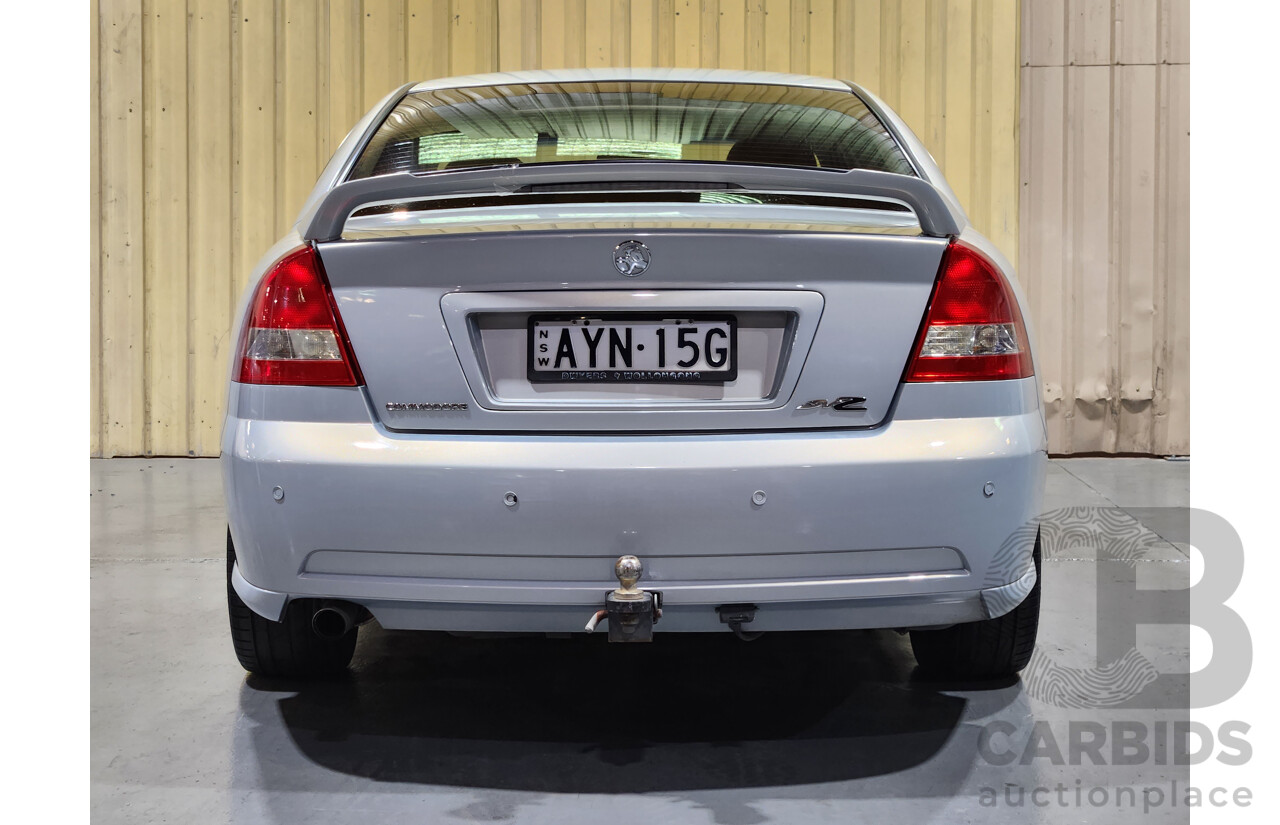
(973, 330)
(293, 334)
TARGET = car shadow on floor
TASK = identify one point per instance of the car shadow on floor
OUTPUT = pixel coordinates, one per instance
(688, 712)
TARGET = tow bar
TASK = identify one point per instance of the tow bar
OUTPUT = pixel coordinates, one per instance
(630, 611)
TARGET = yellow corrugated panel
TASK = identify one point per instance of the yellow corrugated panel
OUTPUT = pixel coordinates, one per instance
(343, 62)
(201, 165)
(209, 274)
(254, 206)
(1105, 255)
(121, 241)
(165, 213)
(96, 409)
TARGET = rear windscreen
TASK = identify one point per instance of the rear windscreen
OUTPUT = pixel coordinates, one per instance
(629, 121)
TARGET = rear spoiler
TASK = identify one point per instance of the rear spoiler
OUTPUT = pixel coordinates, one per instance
(934, 212)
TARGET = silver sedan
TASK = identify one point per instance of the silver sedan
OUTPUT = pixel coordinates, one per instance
(633, 352)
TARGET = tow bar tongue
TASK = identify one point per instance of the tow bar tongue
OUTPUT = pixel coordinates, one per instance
(631, 611)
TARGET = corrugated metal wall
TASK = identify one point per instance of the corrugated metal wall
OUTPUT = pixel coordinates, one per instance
(1104, 219)
(213, 119)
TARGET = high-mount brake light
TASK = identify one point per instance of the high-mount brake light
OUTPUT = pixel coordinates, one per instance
(293, 334)
(973, 330)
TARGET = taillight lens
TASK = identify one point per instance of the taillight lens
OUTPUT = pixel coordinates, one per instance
(293, 334)
(973, 330)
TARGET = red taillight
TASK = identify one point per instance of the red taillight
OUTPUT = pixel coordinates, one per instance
(973, 330)
(293, 334)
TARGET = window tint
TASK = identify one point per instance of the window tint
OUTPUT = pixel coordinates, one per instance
(617, 122)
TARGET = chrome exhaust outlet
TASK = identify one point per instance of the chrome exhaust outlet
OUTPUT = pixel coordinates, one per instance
(333, 621)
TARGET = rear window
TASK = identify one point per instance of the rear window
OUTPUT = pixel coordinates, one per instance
(628, 121)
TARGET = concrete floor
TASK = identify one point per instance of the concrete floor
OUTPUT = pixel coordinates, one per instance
(822, 727)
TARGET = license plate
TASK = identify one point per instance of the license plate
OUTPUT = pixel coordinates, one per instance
(633, 349)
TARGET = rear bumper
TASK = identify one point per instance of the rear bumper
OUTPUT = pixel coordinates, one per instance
(882, 528)
(901, 611)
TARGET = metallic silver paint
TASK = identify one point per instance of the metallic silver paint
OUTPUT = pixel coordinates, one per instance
(453, 521)
(998, 601)
(391, 300)
(606, 75)
(381, 501)
(535, 217)
(914, 149)
(340, 164)
(937, 215)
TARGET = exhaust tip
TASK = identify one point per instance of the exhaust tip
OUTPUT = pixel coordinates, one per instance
(331, 622)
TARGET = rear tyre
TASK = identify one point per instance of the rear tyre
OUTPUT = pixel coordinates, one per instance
(289, 647)
(987, 649)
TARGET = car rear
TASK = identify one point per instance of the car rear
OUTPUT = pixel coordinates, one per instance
(738, 330)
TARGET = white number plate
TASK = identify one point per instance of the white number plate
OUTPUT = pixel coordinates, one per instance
(630, 349)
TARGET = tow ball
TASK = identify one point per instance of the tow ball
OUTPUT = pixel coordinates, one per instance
(630, 611)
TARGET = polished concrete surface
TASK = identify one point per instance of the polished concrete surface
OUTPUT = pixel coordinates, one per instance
(820, 727)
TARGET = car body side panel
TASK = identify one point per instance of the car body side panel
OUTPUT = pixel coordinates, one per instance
(914, 148)
(338, 166)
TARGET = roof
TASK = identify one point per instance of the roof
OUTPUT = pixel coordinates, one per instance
(636, 75)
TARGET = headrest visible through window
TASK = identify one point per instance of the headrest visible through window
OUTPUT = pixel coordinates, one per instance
(763, 150)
